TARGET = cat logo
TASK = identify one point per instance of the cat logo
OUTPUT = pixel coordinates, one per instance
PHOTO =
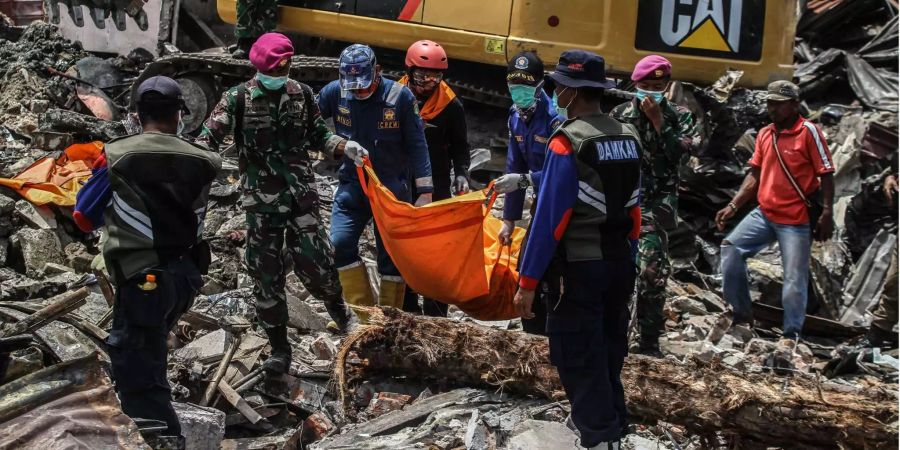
(729, 29)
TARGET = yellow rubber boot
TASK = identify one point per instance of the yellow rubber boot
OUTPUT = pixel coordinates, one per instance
(357, 292)
(392, 292)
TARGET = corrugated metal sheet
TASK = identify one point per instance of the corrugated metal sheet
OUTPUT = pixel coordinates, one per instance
(68, 405)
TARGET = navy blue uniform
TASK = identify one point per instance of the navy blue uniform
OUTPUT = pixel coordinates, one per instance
(526, 153)
(388, 125)
(527, 150)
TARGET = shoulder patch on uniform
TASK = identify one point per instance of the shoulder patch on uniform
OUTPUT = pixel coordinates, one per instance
(394, 94)
(561, 147)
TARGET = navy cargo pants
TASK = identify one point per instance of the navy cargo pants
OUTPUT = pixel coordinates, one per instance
(588, 342)
(142, 320)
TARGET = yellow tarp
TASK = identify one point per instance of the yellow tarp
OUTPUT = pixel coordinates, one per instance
(56, 181)
(448, 250)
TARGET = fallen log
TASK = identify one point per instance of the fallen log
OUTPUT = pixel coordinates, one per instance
(756, 407)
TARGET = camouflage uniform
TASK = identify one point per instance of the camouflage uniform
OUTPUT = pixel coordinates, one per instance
(279, 192)
(255, 18)
(664, 153)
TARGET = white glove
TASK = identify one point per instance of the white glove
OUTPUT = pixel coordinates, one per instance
(423, 199)
(355, 152)
(460, 185)
(506, 232)
(508, 183)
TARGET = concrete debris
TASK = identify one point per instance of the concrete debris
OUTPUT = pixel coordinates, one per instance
(36, 248)
(320, 405)
(323, 348)
(203, 428)
(533, 434)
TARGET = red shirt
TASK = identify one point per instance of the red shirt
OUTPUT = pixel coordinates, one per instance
(806, 155)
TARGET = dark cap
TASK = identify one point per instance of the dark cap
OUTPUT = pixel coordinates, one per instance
(578, 68)
(782, 91)
(525, 68)
(167, 89)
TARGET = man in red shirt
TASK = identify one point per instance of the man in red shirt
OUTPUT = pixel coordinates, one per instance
(782, 214)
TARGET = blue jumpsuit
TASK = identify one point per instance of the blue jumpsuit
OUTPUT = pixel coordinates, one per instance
(388, 125)
(527, 150)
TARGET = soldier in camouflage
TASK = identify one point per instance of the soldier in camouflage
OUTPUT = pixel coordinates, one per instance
(668, 132)
(276, 125)
(254, 18)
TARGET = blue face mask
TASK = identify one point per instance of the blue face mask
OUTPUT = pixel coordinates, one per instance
(657, 96)
(523, 96)
(271, 83)
(561, 112)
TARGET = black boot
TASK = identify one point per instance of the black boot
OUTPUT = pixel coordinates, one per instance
(340, 317)
(243, 48)
(280, 360)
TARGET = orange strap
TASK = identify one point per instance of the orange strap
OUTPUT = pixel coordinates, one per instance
(439, 100)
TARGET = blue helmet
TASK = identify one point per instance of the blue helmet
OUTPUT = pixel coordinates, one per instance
(357, 67)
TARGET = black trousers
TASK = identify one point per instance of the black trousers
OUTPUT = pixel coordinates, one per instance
(137, 343)
(430, 307)
(547, 293)
(588, 332)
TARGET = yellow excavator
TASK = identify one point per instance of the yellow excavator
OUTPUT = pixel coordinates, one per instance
(702, 38)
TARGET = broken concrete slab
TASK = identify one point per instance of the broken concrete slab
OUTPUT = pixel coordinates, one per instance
(323, 348)
(78, 257)
(410, 416)
(40, 217)
(206, 347)
(37, 248)
(532, 434)
(7, 204)
(203, 427)
(302, 316)
(478, 437)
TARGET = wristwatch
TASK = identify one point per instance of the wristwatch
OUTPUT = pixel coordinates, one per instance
(523, 181)
(732, 206)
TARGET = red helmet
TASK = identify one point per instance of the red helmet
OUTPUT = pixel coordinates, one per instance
(427, 55)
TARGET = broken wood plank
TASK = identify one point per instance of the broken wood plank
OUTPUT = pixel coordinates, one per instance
(239, 418)
(60, 305)
(812, 325)
(238, 402)
(220, 371)
(702, 398)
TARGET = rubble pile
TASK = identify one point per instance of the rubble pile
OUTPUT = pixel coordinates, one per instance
(27, 88)
(459, 383)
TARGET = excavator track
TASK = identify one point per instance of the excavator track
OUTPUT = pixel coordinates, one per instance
(308, 69)
(204, 76)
